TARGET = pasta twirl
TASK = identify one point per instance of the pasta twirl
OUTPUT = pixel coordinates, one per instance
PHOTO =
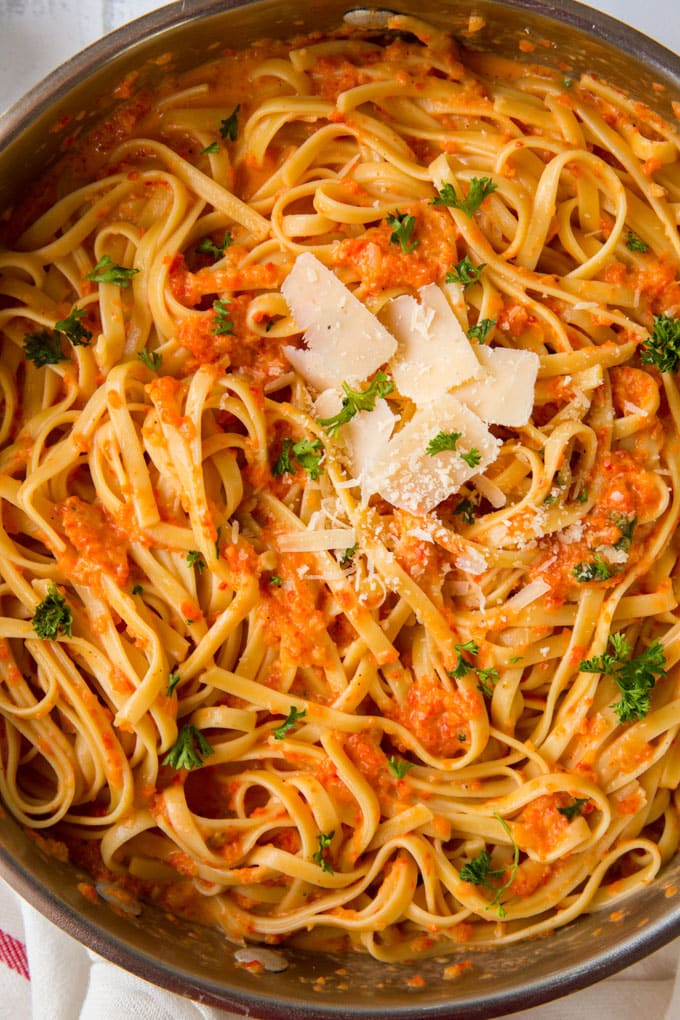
(340, 488)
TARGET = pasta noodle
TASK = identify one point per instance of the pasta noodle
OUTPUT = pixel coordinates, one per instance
(247, 677)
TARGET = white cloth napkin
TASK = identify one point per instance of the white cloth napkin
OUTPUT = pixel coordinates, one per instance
(47, 975)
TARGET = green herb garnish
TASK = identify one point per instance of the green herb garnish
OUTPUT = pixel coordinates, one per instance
(319, 856)
(472, 457)
(464, 272)
(173, 680)
(571, 811)
(442, 441)
(73, 328)
(43, 348)
(208, 247)
(635, 677)
(663, 346)
(189, 749)
(195, 559)
(53, 615)
(481, 330)
(152, 359)
(223, 324)
(107, 271)
(635, 243)
(229, 126)
(294, 715)
(597, 570)
(480, 188)
(403, 226)
(357, 400)
(398, 767)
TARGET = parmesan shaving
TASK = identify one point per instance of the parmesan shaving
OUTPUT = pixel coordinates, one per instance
(525, 596)
(345, 341)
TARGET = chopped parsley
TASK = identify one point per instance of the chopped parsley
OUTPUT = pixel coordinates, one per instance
(223, 324)
(464, 272)
(308, 453)
(571, 811)
(403, 226)
(635, 243)
(152, 359)
(480, 188)
(478, 871)
(43, 348)
(229, 126)
(217, 541)
(626, 526)
(138, 590)
(472, 457)
(582, 496)
(567, 82)
(357, 400)
(663, 346)
(349, 555)
(319, 856)
(635, 677)
(107, 271)
(443, 441)
(73, 328)
(275, 580)
(189, 749)
(466, 509)
(195, 559)
(480, 331)
(294, 715)
(208, 247)
(464, 666)
(53, 615)
(211, 150)
(486, 678)
(398, 767)
(173, 680)
(597, 570)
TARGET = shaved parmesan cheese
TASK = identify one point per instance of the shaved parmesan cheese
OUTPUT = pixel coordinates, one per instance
(317, 541)
(504, 394)
(525, 596)
(410, 478)
(345, 341)
(471, 562)
(433, 353)
(366, 435)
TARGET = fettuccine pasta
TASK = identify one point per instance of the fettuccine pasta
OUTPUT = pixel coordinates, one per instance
(283, 647)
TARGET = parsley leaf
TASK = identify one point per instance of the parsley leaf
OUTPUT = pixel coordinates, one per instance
(43, 348)
(597, 570)
(308, 452)
(357, 400)
(663, 346)
(294, 715)
(349, 555)
(478, 871)
(189, 749)
(229, 126)
(152, 359)
(481, 330)
(472, 457)
(107, 271)
(464, 272)
(480, 188)
(275, 580)
(466, 509)
(211, 150)
(223, 324)
(626, 526)
(195, 559)
(173, 680)
(398, 767)
(208, 247)
(570, 811)
(319, 856)
(443, 441)
(74, 329)
(403, 226)
(635, 677)
(53, 615)
(487, 677)
(635, 243)
(138, 590)
(464, 666)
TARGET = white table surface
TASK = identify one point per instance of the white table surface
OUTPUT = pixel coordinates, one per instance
(35, 37)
